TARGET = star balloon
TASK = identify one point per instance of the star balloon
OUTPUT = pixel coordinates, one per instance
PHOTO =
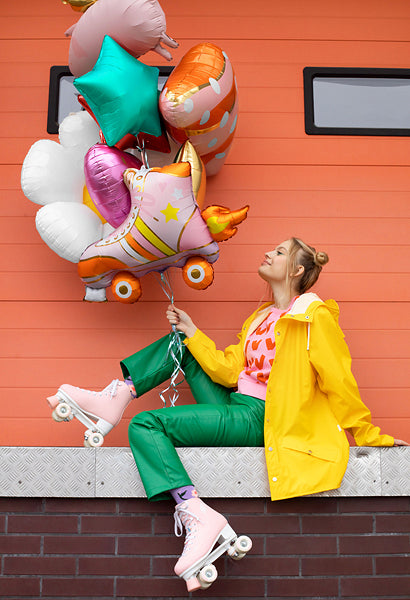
(122, 93)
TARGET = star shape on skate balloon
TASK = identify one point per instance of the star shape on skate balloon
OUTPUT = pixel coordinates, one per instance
(122, 93)
(170, 212)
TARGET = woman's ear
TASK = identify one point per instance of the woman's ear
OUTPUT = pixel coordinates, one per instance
(300, 269)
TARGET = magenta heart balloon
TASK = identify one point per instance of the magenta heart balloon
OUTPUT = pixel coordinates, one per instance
(103, 167)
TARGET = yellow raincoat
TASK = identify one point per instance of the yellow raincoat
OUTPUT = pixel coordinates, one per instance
(312, 396)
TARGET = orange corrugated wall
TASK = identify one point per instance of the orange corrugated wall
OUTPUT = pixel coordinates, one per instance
(346, 195)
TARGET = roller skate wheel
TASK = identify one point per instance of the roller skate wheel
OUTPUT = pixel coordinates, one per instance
(93, 439)
(243, 543)
(126, 288)
(62, 412)
(56, 417)
(198, 273)
(207, 575)
(240, 547)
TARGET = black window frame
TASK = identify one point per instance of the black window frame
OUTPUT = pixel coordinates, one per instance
(57, 72)
(309, 73)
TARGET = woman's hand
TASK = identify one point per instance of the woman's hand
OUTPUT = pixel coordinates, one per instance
(181, 320)
(400, 443)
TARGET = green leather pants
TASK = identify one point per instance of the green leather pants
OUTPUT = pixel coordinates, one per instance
(221, 417)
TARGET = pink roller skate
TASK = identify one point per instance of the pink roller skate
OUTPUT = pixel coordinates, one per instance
(204, 528)
(99, 411)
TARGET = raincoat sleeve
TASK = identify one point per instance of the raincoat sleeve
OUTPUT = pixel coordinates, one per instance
(222, 366)
(331, 359)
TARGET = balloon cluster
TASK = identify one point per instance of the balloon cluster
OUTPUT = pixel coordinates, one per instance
(104, 208)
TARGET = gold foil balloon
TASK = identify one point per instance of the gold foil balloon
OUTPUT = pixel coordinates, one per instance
(79, 5)
(187, 153)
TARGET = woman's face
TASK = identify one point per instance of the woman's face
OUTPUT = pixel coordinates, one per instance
(275, 264)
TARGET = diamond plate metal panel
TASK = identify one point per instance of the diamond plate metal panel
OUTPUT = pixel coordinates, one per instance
(117, 475)
(214, 471)
(217, 472)
(395, 470)
(363, 474)
(231, 472)
(47, 472)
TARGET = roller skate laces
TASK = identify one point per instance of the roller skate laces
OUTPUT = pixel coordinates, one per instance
(184, 518)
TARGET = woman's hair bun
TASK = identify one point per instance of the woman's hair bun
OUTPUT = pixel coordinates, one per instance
(321, 258)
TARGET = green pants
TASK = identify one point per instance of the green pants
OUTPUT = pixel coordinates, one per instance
(221, 417)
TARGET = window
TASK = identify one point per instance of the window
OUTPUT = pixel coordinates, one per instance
(342, 101)
(62, 94)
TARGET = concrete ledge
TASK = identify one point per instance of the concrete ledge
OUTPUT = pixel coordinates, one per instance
(217, 472)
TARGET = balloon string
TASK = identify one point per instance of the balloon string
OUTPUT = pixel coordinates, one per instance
(175, 349)
(144, 156)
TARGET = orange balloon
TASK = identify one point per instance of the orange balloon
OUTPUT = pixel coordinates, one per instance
(222, 222)
(199, 103)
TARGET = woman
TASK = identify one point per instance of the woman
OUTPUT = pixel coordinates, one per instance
(287, 385)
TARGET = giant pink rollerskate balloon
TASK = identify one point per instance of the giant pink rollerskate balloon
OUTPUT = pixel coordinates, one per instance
(137, 25)
(165, 228)
(103, 168)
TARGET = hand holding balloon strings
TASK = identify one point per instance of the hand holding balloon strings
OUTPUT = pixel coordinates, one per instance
(174, 349)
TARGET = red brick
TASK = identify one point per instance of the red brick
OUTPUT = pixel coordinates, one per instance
(373, 505)
(228, 506)
(392, 565)
(302, 587)
(39, 565)
(337, 524)
(42, 524)
(20, 544)
(164, 524)
(80, 505)
(258, 544)
(176, 588)
(301, 544)
(266, 524)
(19, 586)
(374, 544)
(2, 524)
(138, 587)
(263, 566)
(79, 544)
(113, 565)
(393, 523)
(229, 587)
(340, 565)
(159, 544)
(303, 506)
(116, 524)
(29, 505)
(375, 587)
(143, 506)
(78, 586)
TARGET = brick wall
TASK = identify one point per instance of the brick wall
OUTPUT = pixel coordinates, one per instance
(328, 548)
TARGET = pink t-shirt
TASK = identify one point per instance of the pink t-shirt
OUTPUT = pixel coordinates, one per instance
(260, 349)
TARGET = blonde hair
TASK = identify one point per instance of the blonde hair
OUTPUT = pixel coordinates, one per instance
(311, 261)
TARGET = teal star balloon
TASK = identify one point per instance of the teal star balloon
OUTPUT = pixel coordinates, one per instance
(122, 92)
